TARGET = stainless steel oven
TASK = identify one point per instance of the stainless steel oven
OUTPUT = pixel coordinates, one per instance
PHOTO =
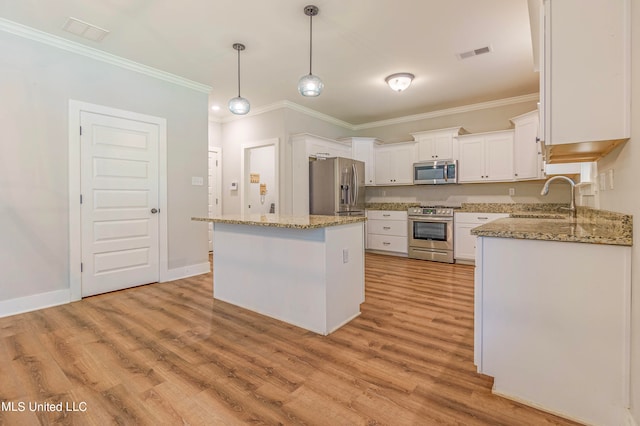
(431, 233)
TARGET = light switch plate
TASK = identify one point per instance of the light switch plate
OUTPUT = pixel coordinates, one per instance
(197, 180)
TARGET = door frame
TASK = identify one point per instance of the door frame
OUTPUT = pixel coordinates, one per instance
(275, 142)
(75, 222)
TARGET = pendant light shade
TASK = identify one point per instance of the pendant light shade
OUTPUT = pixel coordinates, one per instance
(310, 85)
(239, 105)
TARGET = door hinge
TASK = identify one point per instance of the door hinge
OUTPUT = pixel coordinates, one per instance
(80, 198)
(80, 130)
(216, 201)
(81, 267)
(216, 163)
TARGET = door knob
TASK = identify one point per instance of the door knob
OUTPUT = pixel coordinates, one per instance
(154, 210)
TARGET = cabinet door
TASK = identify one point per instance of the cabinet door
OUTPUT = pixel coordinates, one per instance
(435, 147)
(363, 151)
(471, 163)
(526, 148)
(499, 157)
(383, 167)
(464, 245)
(587, 71)
(402, 165)
(394, 164)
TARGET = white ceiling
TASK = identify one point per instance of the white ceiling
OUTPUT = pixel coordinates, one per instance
(356, 44)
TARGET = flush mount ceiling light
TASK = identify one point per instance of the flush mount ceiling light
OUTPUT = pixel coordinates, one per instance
(239, 105)
(399, 81)
(310, 85)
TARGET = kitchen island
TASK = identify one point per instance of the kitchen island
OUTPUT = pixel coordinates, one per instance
(304, 270)
(552, 312)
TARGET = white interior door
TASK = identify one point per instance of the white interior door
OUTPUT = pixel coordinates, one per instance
(119, 211)
(214, 189)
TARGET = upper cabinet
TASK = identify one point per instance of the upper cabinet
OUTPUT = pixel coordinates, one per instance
(363, 149)
(585, 95)
(527, 148)
(486, 157)
(438, 144)
(394, 163)
(318, 147)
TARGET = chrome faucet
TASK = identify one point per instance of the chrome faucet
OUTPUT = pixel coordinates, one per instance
(572, 206)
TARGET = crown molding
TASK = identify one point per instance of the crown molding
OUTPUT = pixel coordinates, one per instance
(293, 106)
(449, 111)
(90, 52)
(354, 127)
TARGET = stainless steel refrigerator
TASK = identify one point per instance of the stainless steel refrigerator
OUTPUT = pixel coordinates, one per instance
(336, 187)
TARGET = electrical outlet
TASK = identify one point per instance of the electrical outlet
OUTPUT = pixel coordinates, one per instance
(512, 192)
(610, 175)
(345, 255)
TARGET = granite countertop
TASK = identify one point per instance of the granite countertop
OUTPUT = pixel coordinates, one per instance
(591, 226)
(390, 206)
(283, 221)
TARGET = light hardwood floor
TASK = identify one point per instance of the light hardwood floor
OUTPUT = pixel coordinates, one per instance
(167, 354)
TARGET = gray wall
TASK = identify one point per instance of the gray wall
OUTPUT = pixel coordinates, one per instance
(37, 81)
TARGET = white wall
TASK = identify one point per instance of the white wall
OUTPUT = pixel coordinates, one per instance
(215, 134)
(625, 198)
(37, 81)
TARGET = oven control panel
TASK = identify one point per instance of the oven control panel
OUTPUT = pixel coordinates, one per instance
(430, 211)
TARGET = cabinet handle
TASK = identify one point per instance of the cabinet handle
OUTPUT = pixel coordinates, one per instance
(386, 215)
(482, 218)
(386, 243)
(386, 227)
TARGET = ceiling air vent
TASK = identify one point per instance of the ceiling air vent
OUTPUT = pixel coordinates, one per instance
(84, 29)
(474, 52)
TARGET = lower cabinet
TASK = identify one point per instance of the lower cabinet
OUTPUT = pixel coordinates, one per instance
(387, 231)
(464, 244)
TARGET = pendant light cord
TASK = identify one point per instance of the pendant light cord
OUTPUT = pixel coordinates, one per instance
(310, 41)
(238, 72)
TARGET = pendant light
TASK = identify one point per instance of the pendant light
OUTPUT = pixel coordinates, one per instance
(239, 105)
(310, 85)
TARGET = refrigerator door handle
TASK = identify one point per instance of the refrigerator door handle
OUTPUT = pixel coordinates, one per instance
(355, 185)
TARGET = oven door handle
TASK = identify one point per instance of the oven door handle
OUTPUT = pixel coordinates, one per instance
(430, 219)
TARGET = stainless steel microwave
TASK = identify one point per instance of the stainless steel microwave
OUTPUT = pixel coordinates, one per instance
(435, 172)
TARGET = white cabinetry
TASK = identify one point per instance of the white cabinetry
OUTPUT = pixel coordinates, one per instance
(438, 144)
(486, 157)
(394, 164)
(552, 320)
(585, 83)
(302, 147)
(363, 149)
(527, 149)
(320, 147)
(387, 231)
(464, 244)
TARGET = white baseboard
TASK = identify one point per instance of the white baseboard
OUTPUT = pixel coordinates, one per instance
(186, 271)
(20, 305)
(629, 420)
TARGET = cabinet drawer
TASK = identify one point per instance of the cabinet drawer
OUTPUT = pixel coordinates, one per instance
(387, 227)
(387, 243)
(478, 218)
(387, 214)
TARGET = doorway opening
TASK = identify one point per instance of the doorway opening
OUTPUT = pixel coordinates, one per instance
(260, 181)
